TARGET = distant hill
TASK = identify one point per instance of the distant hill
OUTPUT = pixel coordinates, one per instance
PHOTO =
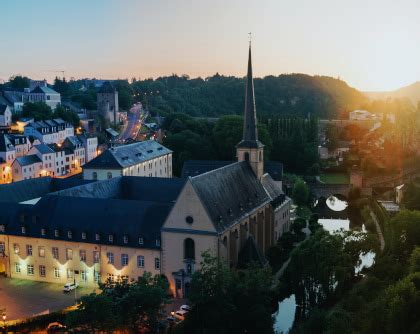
(287, 94)
(411, 92)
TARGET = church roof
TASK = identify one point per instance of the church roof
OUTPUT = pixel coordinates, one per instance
(197, 167)
(229, 193)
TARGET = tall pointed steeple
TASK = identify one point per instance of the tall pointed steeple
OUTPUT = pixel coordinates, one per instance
(250, 148)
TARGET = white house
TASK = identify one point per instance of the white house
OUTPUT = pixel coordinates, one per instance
(50, 131)
(21, 143)
(147, 158)
(27, 167)
(7, 150)
(47, 156)
(5, 115)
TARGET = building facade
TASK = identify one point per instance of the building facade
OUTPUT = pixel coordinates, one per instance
(107, 102)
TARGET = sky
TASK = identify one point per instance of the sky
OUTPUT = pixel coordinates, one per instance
(372, 45)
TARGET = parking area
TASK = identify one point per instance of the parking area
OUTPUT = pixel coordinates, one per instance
(23, 298)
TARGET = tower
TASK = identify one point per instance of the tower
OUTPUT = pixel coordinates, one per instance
(250, 148)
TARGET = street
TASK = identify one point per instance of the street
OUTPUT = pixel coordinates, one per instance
(23, 298)
(134, 121)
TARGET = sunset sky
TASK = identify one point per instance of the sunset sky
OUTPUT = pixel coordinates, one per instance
(373, 45)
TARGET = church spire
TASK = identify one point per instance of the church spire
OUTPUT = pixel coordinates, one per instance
(250, 149)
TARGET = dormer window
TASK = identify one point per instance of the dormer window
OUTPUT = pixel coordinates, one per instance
(126, 239)
(157, 243)
(23, 230)
(84, 235)
(43, 231)
(97, 237)
(2, 228)
(69, 234)
(56, 233)
(111, 238)
(141, 241)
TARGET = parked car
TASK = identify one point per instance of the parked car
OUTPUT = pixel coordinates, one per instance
(185, 308)
(180, 314)
(55, 327)
(69, 287)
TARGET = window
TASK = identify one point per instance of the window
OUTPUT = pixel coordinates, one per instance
(56, 233)
(42, 271)
(23, 230)
(84, 235)
(16, 248)
(30, 269)
(157, 243)
(110, 257)
(28, 250)
(124, 259)
(69, 254)
(70, 273)
(189, 249)
(126, 239)
(56, 273)
(141, 241)
(43, 231)
(246, 156)
(97, 276)
(2, 247)
(140, 261)
(95, 175)
(97, 237)
(2, 228)
(110, 277)
(41, 251)
(189, 220)
(17, 268)
(95, 257)
(55, 253)
(111, 238)
(157, 263)
(82, 255)
(109, 175)
(83, 275)
(69, 234)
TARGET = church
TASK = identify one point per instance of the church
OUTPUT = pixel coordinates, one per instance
(90, 231)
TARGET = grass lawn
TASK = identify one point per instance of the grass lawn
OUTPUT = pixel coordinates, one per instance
(335, 178)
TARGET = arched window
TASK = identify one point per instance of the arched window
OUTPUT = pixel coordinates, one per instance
(260, 156)
(109, 175)
(95, 175)
(189, 249)
(246, 156)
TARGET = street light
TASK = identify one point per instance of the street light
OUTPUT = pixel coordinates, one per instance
(4, 319)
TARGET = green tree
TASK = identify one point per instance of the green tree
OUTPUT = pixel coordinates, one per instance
(19, 81)
(38, 110)
(300, 192)
(67, 115)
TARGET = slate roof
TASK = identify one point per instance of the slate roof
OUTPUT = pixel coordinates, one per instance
(44, 149)
(107, 88)
(17, 139)
(229, 193)
(44, 90)
(5, 144)
(4, 100)
(197, 167)
(251, 253)
(127, 155)
(3, 108)
(28, 160)
(34, 188)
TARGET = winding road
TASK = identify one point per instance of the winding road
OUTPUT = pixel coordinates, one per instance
(134, 123)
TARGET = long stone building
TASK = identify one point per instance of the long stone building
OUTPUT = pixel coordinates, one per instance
(122, 226)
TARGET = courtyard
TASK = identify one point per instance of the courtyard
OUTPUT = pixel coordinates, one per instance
(24, 298)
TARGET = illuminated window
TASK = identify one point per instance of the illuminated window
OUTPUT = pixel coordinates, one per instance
(70, 273)
(157, 243)
(110, 277)
(56, 273)
(16, 248)
(30, 269)
(69, 254)
(126, 239)
(69, 234)
(2, 228)
(43, 231)
(2, 247)
(42, 271)
(97, 237)
(83, 275)
(23, 230)
(56, 233)
(111, 238)
(17, 268)
(41, 251)
(124, 259)
(97, 276)
(83, 235)
(157, 263)
(141, 241)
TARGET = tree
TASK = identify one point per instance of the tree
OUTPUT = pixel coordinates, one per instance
(19, 81)
(300, 192)
(415, 260)
(38, 110)
(67, 115)
(229, 301)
